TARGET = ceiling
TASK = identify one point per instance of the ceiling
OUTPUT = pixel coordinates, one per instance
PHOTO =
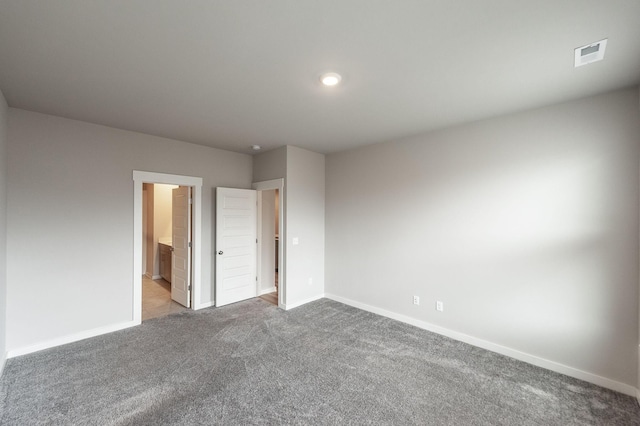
(234, 73)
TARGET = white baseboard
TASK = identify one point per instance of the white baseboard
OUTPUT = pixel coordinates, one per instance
(513, 353)
(152, 277)
(203, 305)
(267, 291)
(288, 306)
(70, 339)
(3, 361)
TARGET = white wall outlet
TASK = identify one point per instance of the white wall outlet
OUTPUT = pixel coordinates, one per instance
(439, 305)
(295, 241)
(310, 281)
(416, 300)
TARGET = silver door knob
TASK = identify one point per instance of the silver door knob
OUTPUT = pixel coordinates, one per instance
(220, 252)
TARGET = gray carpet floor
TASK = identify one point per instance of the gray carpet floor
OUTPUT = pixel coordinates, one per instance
(322, 363)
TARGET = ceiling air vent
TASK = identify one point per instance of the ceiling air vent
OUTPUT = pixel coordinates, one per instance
(590, 53)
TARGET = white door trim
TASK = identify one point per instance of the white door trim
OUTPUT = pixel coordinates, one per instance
(279, 185)
(140, 177)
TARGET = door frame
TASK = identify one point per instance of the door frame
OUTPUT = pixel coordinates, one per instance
(140, 177)
(282, 233)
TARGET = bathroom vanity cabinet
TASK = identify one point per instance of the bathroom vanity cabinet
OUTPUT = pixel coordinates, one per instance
(165, 262)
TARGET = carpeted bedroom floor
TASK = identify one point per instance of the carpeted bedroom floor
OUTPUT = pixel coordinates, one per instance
(323, 363)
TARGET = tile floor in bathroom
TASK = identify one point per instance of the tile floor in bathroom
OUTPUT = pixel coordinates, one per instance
(156, 299)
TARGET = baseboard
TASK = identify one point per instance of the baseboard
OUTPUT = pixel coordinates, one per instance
(3, 361)
(203, 305)
(288, 306)
(503, 350)
(151, 276)
(70, 339)
(638, 390)
(267, 291)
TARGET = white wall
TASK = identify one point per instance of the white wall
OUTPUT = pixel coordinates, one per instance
(270, 165)
(305, 210)
(147, 230)
(303, 216)
(4, 110)
(70, 220)
(525, 226)
(276, 217)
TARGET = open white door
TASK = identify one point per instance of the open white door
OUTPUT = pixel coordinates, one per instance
(181, 246)
(236, 214)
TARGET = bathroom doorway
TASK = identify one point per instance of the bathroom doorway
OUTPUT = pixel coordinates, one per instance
(166, 270)
(189, 240)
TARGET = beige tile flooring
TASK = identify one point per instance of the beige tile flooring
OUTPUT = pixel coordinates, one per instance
(156, 299)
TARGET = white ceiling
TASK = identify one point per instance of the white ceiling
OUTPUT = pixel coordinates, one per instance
(233, 73)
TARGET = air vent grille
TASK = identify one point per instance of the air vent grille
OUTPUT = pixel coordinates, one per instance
(590, 53)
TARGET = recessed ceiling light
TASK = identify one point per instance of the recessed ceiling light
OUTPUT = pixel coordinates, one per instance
(256, 147)
(330, 78)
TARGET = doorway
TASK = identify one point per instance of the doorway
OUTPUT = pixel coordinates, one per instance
(166, 257)
(194, 287)
(269, 213)
(271, 248)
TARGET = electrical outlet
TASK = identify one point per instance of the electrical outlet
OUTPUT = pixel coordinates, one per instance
(439, 306)
(295, 241)
(310, 281)
(416, 300)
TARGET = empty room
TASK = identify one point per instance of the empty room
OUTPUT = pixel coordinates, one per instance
(342, 212)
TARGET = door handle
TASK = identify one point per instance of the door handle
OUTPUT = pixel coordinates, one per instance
(220, 252)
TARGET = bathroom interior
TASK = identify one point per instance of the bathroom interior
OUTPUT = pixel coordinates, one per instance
(156, 251)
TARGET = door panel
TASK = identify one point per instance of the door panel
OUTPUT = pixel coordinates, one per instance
(181, 238)
(235, 245)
